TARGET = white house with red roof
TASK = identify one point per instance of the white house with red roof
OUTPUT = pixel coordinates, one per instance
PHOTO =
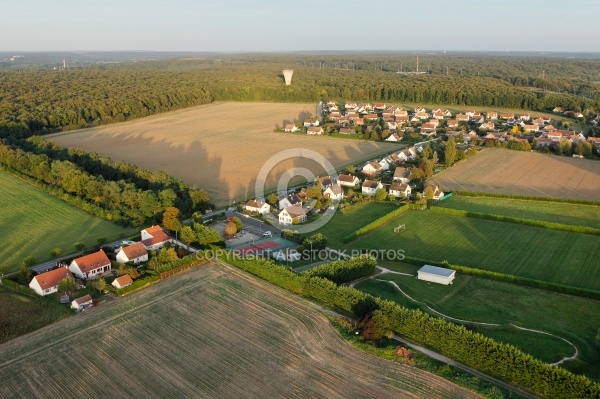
(437, 193)
(314, 130)
(47, 283)
(372, 169)
(334, 192)
(122, 282)
(259, 207)
(135, 253)
(154, 238)
(398, 189)
(370, 187)
(292, 214)
(348, 180)
(91, 266)
(290, 127)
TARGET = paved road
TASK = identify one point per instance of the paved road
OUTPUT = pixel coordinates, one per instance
(51, 264)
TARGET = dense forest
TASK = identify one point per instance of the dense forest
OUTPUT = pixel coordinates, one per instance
(44, 99)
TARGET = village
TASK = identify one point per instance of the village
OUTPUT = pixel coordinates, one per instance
(383, 122)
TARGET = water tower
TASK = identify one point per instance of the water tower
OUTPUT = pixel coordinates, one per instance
(287, 75)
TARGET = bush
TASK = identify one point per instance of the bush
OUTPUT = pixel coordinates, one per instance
(375, 224)
(343, 271)
(137, 284)
(526, 222)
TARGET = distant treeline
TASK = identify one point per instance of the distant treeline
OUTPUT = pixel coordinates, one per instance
(46, 100)
(113, 190)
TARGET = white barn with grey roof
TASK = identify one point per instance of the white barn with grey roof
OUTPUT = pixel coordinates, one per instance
(436, 274)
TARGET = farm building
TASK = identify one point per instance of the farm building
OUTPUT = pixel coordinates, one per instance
(82, 303)
(122, 282)
(436, 274)
(47, 283)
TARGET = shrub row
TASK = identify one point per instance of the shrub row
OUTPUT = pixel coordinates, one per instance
(508, 278)
(375, 224)
(453, 340)
(343, 271)
(137, 284)
(509, 219)
(524, 197)
(172, 265)
(181, 268)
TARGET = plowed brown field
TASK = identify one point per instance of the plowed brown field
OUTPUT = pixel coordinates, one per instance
(209, 332)
(524, 173)
(220, 146)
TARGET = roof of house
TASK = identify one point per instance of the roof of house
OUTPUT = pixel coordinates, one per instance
(135, 251)
(402, 173)
(375, 165)
(123, 280)
(255, 204)
(152, 229)
(50, 279)
(92, 261)
(84, 299)
(289, 126)
(314, 129)
(158, 237)
(295, 210)
(438, 271)
(347, 178)
(397, 186)
(370, 184)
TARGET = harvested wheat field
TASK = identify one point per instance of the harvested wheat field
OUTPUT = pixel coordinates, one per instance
(209, 332)
(220, 146)
(524, 173)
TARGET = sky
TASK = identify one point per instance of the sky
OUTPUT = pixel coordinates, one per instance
(301, 25)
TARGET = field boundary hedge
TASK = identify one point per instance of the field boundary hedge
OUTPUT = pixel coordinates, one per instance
(375, 224)
(522, 221)
(508, 278)
(454, 340)
(179, 269)
(344, 271)
(524, 197)
(138, 284)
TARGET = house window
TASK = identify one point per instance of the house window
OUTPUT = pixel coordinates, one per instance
(47, 290)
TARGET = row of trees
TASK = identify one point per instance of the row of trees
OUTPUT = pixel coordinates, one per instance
(130, 198)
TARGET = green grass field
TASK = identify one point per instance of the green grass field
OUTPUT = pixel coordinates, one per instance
(534, 252)
(22, 313)
(343, 224)
(34, 222)
(476, 299)
(573, 214)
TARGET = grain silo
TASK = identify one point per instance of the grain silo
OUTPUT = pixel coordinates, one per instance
(287, 75)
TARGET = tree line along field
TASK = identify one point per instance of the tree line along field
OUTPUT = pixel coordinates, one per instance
(555, 212)
(486, 301)
(220, 146)
(33, 223)
(533, 252)
(210, 332)
(524, 173)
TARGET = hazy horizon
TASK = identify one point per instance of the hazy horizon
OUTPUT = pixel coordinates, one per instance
(235, 26)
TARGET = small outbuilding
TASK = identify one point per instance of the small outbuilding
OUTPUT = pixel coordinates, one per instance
(122, 282)
(436, 274)
(85, 301)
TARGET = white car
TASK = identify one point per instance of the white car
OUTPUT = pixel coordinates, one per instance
(267, 234)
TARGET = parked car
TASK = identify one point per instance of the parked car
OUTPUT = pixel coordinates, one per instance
(267, 234)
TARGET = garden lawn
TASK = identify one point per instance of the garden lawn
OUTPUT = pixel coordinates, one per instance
(477, 299)
(22, 312)
(533, 252)
(555, 212)
(33, 222)
(344, 223)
